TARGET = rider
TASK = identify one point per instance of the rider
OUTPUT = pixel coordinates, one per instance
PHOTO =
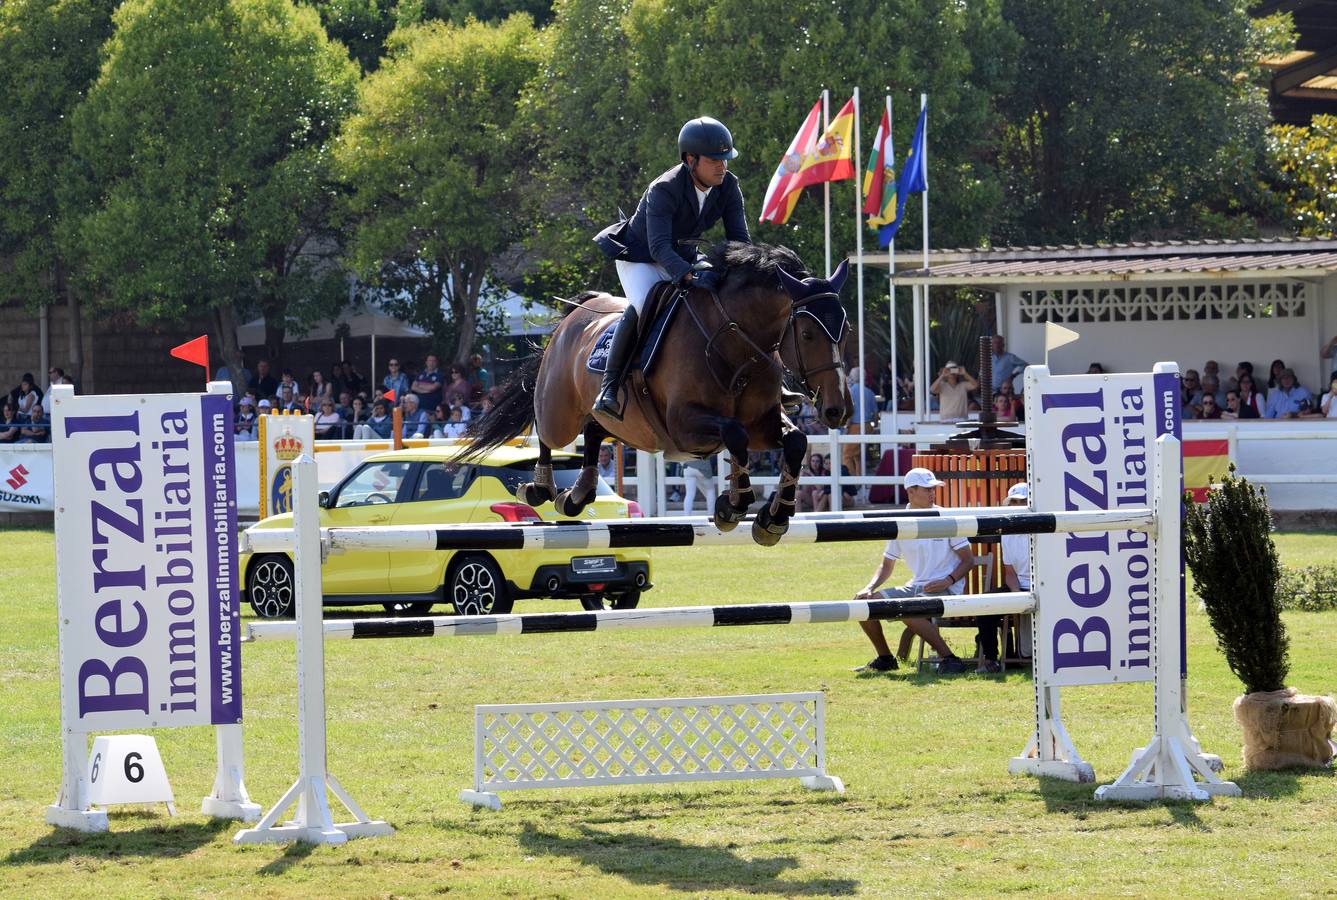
(677, 206)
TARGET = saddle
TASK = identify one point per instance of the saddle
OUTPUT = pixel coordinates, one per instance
(661, 304)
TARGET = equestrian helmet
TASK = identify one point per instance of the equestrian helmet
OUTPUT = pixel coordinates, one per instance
(706, 137)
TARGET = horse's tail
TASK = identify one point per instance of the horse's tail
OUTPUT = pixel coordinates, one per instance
(510, 417)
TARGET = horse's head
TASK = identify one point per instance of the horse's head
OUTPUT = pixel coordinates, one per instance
(814, 344)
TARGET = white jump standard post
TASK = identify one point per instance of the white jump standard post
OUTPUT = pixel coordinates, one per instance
(312, 822)
(1165, 768)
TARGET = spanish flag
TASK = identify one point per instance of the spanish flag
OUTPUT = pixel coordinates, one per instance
(879, 182)
(1204, 461)
(811, 159)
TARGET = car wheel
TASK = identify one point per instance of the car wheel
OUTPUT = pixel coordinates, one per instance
(625, 600)
(476, 587)
(412, 609)
(269, 587)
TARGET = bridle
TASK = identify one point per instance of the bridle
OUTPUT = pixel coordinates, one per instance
(804, 374)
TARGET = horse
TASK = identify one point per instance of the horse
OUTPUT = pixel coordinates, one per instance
(716, 384)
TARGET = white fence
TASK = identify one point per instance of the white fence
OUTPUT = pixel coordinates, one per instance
(648, 741)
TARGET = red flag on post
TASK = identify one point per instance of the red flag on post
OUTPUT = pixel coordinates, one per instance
(196, 351)
(389, 395)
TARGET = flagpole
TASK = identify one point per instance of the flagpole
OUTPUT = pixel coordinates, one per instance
(858, 250)
(891, 299)
(826, 186)
(924, 295)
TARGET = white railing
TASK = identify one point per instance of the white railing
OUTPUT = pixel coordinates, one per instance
(648, 741)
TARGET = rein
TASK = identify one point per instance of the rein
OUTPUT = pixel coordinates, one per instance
(739, 380)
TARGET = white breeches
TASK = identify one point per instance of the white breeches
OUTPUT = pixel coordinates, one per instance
(637, 279)
(696, 481)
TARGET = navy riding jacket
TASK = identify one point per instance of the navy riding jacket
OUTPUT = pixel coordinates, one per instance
(668, 214)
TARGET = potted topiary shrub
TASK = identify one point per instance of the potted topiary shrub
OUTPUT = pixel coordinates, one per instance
(1228, 547)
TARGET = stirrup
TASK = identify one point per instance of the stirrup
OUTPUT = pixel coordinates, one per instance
(608, 404)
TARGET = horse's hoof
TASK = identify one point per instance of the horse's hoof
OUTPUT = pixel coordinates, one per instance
(766, 535)
(566, 506)
(533, 494)
(727, 516)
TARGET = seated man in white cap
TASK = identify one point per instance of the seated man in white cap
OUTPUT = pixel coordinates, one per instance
(1017, 557)
(938, 566)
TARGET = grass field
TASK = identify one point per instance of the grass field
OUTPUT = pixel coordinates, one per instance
(930, 807)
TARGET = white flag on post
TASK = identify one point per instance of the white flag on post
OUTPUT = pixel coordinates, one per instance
(1057, 336)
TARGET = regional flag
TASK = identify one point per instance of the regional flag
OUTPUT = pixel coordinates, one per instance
(782, 194)
(829, 157)
(879, 182)
(914, 178)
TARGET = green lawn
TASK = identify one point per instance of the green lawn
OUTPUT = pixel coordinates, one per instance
(930, 807)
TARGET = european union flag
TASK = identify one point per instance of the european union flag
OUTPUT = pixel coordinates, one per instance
(913, 180)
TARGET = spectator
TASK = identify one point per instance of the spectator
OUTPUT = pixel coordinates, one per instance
(480, 376)
(1289, 400)
(286, 379)
(26, 396)
(244, 425)
(465, 413)
(1016, 574)
(454, 425)
(606, 465)
(1002, 407)
(1208, 408)
(1251, 402)
(1189, 386)
(287, 397)
(378, 425)
(939, 566)
(9, 423)
(395, 381)
(1327, 404)
(329, 424)
(56, 375)
(349, 378)
(38, 428)
(1018, 407)
(459, 386)
(1211, 386)
(263, 408)
(356, 415)
(344, 404)
(427, 386)
(224, 373)
(1233, 408)
(1095, 369)
(263, 384)
(1006, 365)
(319, 390)
(699, 476)
(489, 402)
(1274, 374)
(952, 387)
(814, 493)
(863, 418)
(415, 419)
(1212, 368)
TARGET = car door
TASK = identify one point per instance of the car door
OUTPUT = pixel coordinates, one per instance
(367, 497)
(440, 495)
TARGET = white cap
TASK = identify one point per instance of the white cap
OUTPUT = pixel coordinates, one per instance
(244, 401)
(922, 478)
(1019, 491)
(265, 404)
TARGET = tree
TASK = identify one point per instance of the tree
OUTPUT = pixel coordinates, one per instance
(1131, 118)
(50, 53)
(436, 168)
(202, 154)
(1306, 160)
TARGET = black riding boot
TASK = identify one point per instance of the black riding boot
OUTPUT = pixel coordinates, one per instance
(619, 352)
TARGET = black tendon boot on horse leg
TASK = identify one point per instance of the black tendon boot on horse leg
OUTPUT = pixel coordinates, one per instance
(732, 505)
(572, 502)
(773, 519)
(542, 488)
(619, 352)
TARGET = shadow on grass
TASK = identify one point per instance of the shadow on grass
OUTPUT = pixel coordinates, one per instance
(171, 840)
(678, 865)
(292, 854)
(1282, 783)
(1078, 800)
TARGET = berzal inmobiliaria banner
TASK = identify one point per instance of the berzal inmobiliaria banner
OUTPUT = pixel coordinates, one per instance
(1092, 447)
(25, 478)
(146, 560)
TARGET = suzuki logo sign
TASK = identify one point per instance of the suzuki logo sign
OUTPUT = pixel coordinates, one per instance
(17, 477)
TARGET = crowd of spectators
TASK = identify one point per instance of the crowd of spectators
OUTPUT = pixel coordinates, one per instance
(24, 418)
(346, 405)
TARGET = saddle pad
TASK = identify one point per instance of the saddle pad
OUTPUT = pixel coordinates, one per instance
(598, 358)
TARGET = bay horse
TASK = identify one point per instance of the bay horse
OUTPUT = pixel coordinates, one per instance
(716, 383)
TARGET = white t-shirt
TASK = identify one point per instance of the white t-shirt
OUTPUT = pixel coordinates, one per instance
(1331, 400)
(1017, 554)
(929, 559)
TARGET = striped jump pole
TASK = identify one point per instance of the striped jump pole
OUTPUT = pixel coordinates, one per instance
(628, 533)
(815, 613)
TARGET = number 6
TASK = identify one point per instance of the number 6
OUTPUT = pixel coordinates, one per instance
(134, 772)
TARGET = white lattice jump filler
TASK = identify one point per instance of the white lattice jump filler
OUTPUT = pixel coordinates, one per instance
(649, 741)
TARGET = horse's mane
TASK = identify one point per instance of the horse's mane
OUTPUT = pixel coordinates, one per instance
(755, 265)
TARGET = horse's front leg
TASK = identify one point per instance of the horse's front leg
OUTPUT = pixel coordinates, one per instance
(773, 519)
(700, 427)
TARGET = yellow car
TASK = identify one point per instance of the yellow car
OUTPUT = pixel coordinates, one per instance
(422, 487)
